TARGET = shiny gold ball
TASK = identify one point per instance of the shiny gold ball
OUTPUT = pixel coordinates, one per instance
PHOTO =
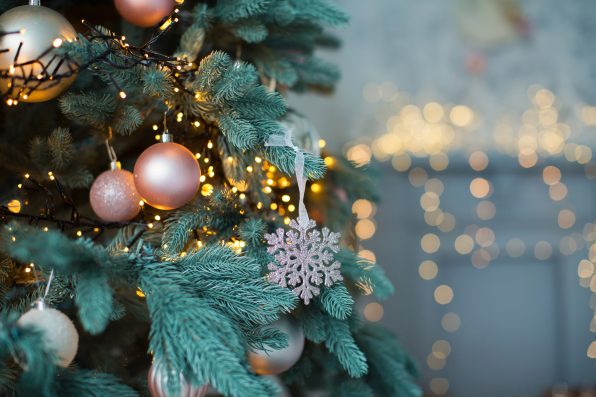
(39, 29)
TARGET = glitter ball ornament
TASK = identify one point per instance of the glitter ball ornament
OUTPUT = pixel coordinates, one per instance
(113, 195)
(60, 334)
(39, 29)
(144, 13)
(273, 362)
(157, 382)
(167, 175)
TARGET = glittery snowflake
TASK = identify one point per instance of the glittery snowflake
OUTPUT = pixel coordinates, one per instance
(304, 258)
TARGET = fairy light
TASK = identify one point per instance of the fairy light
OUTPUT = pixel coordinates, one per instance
(57, 42)
(14, 206)
(273, 206)
(258, 160)
(267, 189)
(122, 94)
(316, 187)
(157, 217)
(141, 203)
(150, 225)
(210, 145)
(79, 233)
(285, 198)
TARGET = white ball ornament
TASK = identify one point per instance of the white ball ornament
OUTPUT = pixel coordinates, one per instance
(60, 334)
(38, 29)
(274, 362)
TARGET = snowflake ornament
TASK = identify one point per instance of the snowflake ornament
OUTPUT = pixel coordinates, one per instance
(304, 258)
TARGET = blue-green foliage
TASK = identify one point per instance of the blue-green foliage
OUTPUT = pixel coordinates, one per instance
(101, 111)
(25, 346)
(203, 307)
(91, 264)
(85, 383)
(56, 153)
(180, 319)
(234, 284)
(391, 370)
(367, 276)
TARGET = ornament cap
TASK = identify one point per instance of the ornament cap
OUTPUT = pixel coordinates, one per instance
(115, 165)
(167, 137)
(40, 304)
(34, 2)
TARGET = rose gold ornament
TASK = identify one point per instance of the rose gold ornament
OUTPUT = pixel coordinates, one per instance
(274, 362)
(167, 175)
(40, 30)
(157, 382)
(144, 13)
(113, 195)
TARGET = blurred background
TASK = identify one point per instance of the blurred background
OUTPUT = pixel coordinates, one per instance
(480, 116)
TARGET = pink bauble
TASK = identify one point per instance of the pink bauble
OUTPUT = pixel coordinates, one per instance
(157, 382)
(167, 175)
(113, 196)
(144, 13)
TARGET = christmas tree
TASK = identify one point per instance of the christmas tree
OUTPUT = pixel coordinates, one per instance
(201, 271)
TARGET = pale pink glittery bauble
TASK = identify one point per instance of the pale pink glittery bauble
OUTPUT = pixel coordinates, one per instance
(144, 13)
(113, 196)
(167, 175)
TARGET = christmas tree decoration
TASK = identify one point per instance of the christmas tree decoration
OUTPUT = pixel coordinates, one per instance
(113, 195)
(157, 382)
(144, 13)
(187, 285)
(167, 175)
(29, 55)
(304, 132)
(61, 336)
(274, 362)
(304, 259)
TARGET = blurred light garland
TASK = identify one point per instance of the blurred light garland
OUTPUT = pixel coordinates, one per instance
(547, 131)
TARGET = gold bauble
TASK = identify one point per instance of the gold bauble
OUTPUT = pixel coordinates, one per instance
(39, 29)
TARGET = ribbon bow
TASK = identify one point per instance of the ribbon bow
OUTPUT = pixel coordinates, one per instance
(286, 140)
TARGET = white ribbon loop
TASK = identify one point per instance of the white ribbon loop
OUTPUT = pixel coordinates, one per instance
(286, 140)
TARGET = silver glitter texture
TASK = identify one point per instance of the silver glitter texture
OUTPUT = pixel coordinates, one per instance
(304, 258)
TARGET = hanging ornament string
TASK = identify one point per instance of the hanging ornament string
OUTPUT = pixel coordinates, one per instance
(48, 284)
(286, 140)
(111, 151)
(40, 303)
